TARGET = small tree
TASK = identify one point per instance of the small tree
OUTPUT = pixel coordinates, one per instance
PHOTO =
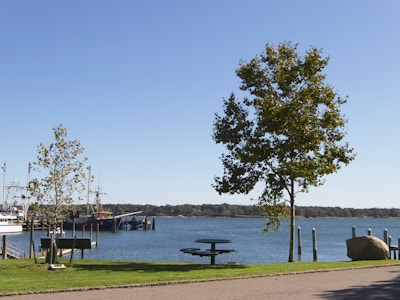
(287, 134)
(63, 175)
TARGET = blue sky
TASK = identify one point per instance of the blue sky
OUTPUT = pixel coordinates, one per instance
(139, 82)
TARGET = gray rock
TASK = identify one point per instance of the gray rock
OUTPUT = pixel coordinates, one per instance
(367, 248)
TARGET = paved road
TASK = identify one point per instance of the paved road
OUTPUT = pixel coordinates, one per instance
(365, 283)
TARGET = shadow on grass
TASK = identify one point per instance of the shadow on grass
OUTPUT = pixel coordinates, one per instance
(151, 267)
(382, 289)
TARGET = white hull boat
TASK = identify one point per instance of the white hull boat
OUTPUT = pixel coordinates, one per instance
(8, 225)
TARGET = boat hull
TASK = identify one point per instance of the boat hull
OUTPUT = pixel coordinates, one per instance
(108, 224)
(9, 229)
(8, 224)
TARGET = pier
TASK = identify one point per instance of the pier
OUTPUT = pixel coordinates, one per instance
(393, 249)
(62, 245)
(134, 224)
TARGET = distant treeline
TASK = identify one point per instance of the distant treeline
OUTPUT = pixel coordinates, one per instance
(229, 210)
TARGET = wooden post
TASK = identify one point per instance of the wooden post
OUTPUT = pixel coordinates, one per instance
(91, 230)
(369, 231)
(83, 235)
(154, 223)
(145, 223)
(5, 239)
(31, 247)
(353, 232)
(398, 246)
(34, 254)
(314, 239)
(389, 246)
(299, 240)
(97, 234)
(114, 225)
(386, 236)
(73, 227)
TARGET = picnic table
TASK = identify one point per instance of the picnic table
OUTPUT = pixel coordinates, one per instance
(212, 252)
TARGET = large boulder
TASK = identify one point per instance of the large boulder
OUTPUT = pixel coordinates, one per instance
(367, 248)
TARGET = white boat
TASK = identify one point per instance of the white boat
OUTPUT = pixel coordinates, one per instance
(9, 225)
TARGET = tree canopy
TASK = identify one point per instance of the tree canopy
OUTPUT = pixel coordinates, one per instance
(285, 134)
(63, 178)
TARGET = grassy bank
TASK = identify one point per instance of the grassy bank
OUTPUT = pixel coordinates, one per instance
(26, 276)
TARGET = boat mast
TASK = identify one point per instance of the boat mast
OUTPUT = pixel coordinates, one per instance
(88, 192)
(27, 193)
(15, 197)
(4, 182)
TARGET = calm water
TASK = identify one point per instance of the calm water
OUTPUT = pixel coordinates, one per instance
(253, 246)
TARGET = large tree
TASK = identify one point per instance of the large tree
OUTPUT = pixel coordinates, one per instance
(285, 135)
(62, 178)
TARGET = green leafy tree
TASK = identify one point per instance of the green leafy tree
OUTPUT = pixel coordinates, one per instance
(63, 177)
(286, 133)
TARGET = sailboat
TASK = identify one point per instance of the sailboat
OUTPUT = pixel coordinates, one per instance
(97, 216)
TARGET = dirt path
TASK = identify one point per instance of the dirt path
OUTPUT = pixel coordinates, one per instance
(365, 283)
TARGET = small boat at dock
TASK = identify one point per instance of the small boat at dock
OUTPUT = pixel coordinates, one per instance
(9, 225)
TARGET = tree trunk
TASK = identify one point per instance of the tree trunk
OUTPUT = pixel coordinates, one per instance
(292, 223)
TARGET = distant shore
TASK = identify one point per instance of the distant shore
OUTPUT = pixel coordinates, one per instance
(247, 211)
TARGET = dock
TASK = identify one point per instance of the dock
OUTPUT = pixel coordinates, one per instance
(134, 224)
(62, 244)
(65, 246)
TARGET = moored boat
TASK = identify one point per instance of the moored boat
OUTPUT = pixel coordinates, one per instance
(8, 225)
(88, 221)
(98, 216)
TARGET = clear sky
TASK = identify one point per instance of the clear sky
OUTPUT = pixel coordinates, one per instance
(138, 84)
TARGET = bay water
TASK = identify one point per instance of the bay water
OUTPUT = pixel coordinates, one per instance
(252, 245)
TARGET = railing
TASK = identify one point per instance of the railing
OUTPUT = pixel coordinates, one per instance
(13, 250)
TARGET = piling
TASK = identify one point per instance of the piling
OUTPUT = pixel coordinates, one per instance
(314, 240)
(31, 246)
(154, 224)
(5, 240)
(73, 227)
(299, 241)
(97, 234)
(353, 232)
(369, 231)
(114, 225)
(394, 248)
(398, 246)
(386, 236)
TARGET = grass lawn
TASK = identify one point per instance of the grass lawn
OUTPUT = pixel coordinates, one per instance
(23, 275)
